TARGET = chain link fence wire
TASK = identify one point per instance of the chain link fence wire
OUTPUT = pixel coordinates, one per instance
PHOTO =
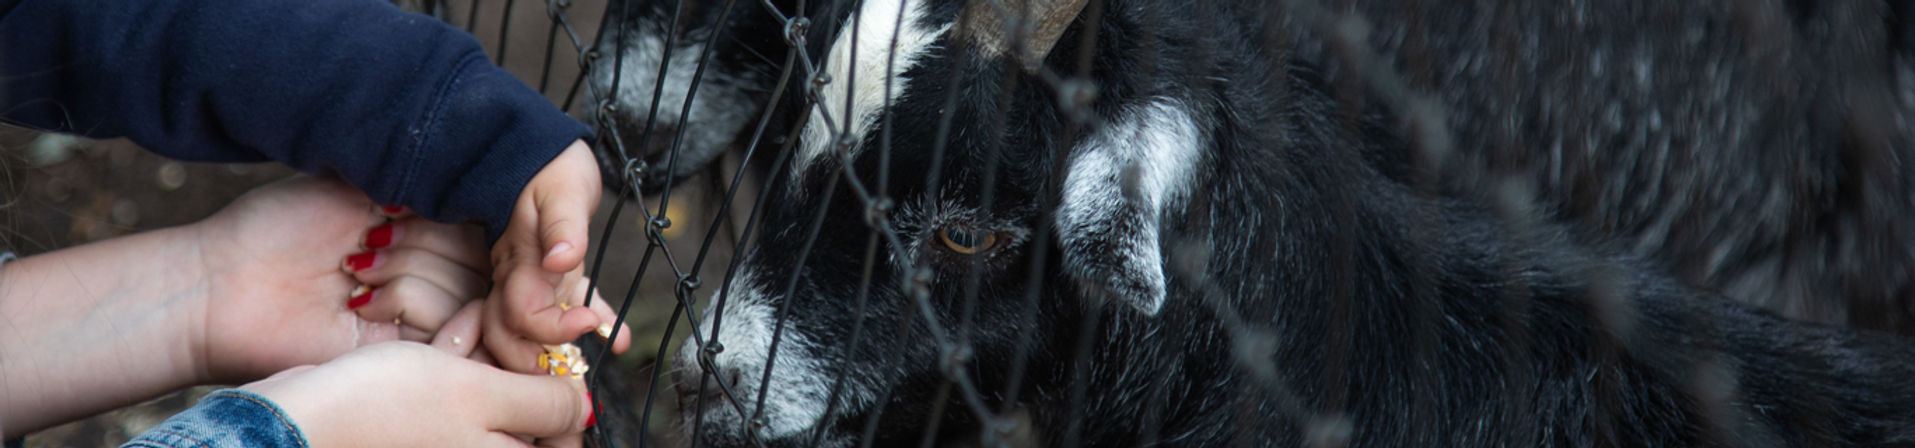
(1665, 201)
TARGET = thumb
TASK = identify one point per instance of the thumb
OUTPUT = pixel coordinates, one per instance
(567, 194)
(563, 228)
(536, 405)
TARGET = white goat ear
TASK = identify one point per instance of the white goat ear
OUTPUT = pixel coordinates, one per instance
(996, 26)
(1110, 237)
(1123, 183)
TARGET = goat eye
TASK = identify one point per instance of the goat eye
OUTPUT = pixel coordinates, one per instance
(966, 242)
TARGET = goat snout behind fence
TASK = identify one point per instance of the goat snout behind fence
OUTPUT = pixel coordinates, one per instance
(1127, 222)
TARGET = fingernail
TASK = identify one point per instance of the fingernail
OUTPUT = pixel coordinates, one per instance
(391, 209)
(361, 261)
(556, 248)
(591, 410)
(379, 237)
(361, 296)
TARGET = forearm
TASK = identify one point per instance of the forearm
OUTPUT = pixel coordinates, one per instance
(94, 327)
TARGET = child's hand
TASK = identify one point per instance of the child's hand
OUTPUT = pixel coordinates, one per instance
(538, 270)
(279, 288)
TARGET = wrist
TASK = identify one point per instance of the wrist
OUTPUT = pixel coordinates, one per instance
(200, 277)
(178, 289)
(96, 327)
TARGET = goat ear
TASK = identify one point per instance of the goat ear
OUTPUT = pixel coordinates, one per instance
(1122, 184)
(1111, 241)
(1024, 29)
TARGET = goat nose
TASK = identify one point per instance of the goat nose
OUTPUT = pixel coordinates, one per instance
(709, 394)
(733, 379)
(702, 381)
(660, 142)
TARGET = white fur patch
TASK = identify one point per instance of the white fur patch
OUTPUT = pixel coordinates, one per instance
(877, 24)
(799, 381)
(1162, 140)
(718, 112)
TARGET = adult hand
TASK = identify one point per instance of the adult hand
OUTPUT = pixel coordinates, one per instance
(409, 394)
(278, 296)
(253, 290)
(538, 265)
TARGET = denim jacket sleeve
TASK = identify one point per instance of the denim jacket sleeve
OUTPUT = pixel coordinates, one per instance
(400, 105)
(229, 418)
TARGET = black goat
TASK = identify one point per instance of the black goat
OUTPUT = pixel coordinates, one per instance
(1194, 243)
(1767, 140)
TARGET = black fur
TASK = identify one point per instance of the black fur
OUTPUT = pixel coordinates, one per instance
(744, 40)
(1766, 143)
(1770, 138)
(1316, 292)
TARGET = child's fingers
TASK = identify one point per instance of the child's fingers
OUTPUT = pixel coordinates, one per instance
(382, 266)
(575, 286)
(562, 234)
(606, 317)
(411, 301)
(565, 193)
(507, 347)
(507, 350)
(532, 311)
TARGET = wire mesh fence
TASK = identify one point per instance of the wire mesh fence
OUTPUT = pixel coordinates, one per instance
(1129, 222)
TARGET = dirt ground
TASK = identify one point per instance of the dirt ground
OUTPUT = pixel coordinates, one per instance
(58, 191)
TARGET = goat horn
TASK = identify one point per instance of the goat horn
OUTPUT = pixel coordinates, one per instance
(999, 25)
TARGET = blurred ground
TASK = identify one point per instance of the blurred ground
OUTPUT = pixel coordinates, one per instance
(58, 191)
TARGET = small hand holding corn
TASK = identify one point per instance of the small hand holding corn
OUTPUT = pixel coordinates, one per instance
(538, 270)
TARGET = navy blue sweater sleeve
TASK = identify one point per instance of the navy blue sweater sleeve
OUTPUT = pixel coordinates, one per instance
(400, 105)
